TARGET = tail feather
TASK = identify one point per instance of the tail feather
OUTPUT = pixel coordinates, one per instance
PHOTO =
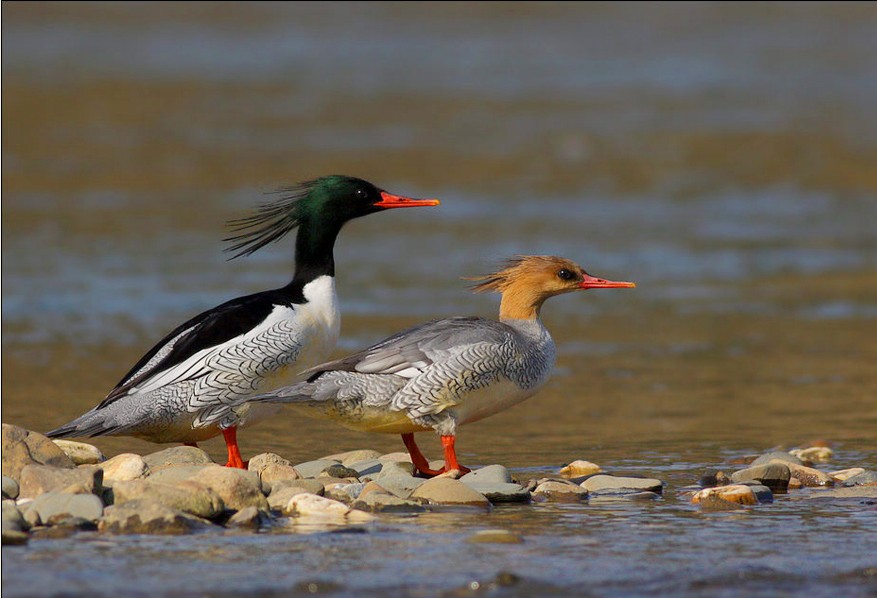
(86, 426)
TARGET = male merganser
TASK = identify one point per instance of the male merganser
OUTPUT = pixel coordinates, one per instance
(224, 354)
(446, 373)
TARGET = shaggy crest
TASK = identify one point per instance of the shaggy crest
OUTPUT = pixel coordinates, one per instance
(517, 267)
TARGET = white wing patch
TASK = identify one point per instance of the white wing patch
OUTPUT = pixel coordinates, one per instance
(161, 354)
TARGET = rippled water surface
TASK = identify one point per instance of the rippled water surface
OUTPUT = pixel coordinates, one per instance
(721, 156)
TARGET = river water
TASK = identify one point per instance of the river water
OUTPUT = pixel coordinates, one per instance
(721, 156)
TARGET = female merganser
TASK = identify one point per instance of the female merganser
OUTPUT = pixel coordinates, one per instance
(446, 373)
(217, 358)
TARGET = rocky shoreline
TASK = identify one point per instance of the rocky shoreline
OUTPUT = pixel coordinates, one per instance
(53, 489)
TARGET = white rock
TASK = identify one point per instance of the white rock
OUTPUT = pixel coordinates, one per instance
(123, 468)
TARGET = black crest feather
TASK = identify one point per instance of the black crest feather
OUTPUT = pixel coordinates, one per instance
(270, 222)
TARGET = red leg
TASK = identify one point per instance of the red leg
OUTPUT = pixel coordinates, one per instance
(234, 453)
(420, 462)
(451, 455)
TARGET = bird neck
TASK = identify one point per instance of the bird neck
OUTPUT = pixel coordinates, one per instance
(314, 249)
(520, 302)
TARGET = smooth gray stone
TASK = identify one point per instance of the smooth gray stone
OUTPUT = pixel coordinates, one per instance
(346, 493)
(394, 468)
(55, 507)
(348, 458)
(368, 467)
(10, 487)
(556, 490)
(762, 492)
(336, 470)
(491, 474)
(13, 518)
(602, 483)
(400, 485)
(623, 496)
(865, 478)
(384, 502)
(250, 518)
(311, 469)
(773, 475)
(502, 492)
(148, 517)
(776, 456)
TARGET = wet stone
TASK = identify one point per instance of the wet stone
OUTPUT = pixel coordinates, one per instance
(844, 474)
(23, 447)
(491, 474)
(813, 454)
(560, 491)
(866, 478)
(313, 506)
(602, 483)
(346, 493)
(580, 468)
(502, 492)
(735, 493)
(810, 477)
(717, 503)
(384, 502)
(39, 479)
(250, 518)
(776, 456)
(13, 518)
(311, 469)
(10, 487)
(447, 491)
(80, 453)
(774, 475)
(712, 478)
(279, 498)
(175, 457)
(148, 517)
(55, 507)
(123, 467)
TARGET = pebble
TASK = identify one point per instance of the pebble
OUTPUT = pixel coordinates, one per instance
(810, 477)
(383, 502)
(716, 503)
(776, 456)
(712, 478)
(345, 493)
(13, 518)
(355, 456)
(38, 479)
(176, 456)
(580, 468)
(123, 467)
(263, 460)
(23, 447)
(560, 491)
(735, 493)
(446, 491)
(311, 469)
(866, 478)
(844, 474)
(55, 507)
(494, 536)
(393, 469)
(250, 518)
(146, 516)
(369, 467)
(774, 475)
(313, 506)
(501, 492)
(402, 485)
(603, 483)
(236, 487)
(279, 498)
(336, 470)
(397, 456)
(80, 452)
(187, 496)
(10, 487)
(813, 454)
(274, 473)
(491, 474)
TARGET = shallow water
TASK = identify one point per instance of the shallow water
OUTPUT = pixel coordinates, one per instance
(720, 156)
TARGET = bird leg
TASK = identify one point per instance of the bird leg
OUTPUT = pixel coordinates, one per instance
(420, 463)
(234, 453)
(451, 455)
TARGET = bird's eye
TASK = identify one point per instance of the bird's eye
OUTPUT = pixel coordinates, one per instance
(565, 274)
(360, 194)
